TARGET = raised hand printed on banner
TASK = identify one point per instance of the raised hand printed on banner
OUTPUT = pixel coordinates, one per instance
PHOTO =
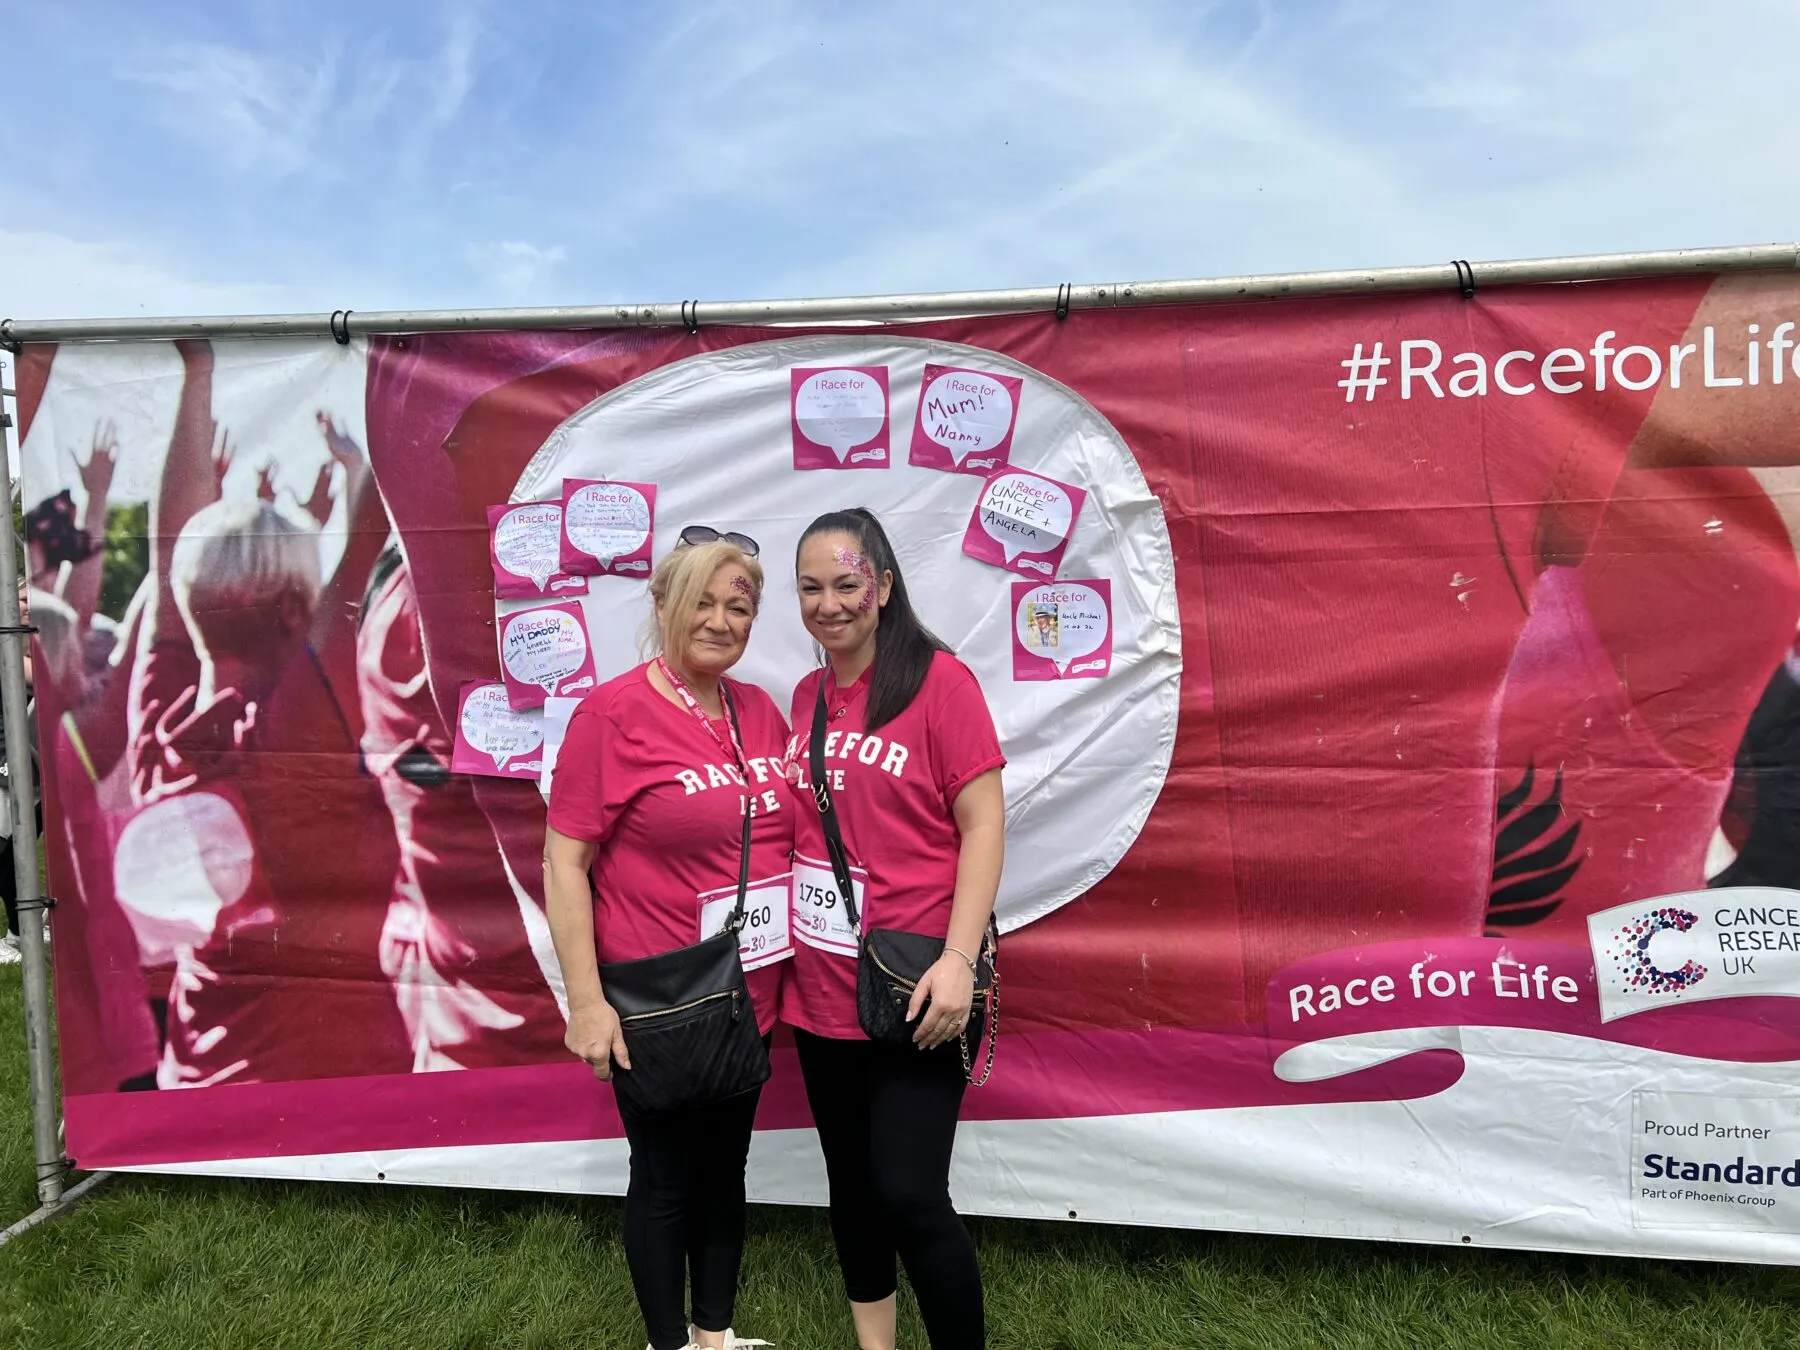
(1022, 522)
(523, 545)
(493, 738)
(545, 653)
(1062, 631)
(965, 420)
(840, 417)
(606, 527)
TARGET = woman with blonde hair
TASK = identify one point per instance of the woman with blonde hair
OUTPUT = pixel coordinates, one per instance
(668, 793)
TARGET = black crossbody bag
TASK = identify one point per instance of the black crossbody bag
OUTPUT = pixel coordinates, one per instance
(890, 962)
(689, 1026)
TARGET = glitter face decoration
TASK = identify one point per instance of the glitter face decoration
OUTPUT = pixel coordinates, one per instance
(853, 561)
(741, 584)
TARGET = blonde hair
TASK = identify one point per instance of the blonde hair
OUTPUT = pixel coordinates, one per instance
(679, 581)
(234, 559)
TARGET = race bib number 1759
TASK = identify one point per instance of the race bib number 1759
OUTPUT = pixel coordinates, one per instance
(821, 919)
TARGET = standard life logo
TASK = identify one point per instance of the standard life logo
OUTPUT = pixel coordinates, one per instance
(1701, 1160)
(1694, 946)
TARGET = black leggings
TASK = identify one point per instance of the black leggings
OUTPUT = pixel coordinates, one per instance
(887, 1120)
(684, 1215)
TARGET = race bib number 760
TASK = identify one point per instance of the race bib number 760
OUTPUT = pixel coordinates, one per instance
(766, 936)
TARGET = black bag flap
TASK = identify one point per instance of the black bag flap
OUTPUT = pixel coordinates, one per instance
(659, 983)
(909, 955)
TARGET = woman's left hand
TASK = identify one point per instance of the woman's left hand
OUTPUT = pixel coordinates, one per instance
(950, 988)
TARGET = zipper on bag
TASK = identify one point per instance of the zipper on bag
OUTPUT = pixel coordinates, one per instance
(731, 994)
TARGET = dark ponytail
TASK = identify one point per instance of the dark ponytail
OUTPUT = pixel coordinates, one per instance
(904, 647)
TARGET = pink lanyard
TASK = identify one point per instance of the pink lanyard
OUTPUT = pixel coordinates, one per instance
(679, 685)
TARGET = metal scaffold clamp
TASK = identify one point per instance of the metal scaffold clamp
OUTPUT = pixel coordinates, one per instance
(7, 340)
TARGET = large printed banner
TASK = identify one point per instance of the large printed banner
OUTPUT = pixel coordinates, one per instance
(1400, 698)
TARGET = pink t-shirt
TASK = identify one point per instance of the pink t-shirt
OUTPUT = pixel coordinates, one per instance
(893, 790)
(640, 777)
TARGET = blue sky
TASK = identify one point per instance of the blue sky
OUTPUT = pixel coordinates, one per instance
(183, 157)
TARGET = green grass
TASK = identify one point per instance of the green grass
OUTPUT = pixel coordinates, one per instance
(166, 1262)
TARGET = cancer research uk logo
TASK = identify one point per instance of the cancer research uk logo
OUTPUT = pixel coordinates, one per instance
(1700, 945)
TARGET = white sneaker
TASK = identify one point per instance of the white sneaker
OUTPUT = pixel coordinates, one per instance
(733, 1341)
(9, 951)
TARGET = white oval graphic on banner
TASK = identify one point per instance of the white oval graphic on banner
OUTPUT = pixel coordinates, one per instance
(1057, 733)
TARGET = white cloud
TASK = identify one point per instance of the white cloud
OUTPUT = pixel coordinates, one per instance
(515, 266)
(262, 113)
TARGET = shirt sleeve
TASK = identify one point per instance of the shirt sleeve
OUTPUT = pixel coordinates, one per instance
(585, 797)
(964, 742)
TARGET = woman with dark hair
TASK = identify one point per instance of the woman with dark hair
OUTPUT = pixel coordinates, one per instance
(911, 765)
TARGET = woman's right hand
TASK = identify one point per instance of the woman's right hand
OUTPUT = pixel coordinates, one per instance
(595, 1035)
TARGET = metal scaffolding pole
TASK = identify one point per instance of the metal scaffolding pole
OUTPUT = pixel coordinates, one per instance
(1459, 276)
(40, 1036)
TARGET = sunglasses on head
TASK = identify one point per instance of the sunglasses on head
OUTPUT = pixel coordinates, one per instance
(706, 534)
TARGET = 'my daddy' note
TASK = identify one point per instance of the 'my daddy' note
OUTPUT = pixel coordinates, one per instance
(606, 527)
(965, 421)
(1022, 522)
(493, 738)
(545, 653)
(840, 417)
(524, 542)
(1062, 631)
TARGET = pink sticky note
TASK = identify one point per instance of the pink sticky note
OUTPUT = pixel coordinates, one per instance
(494, 738)
(839, 416)
(1022, 522)
(606, 527)
(523, 544)
(965, 420)
(545, 653)
(1062, 631)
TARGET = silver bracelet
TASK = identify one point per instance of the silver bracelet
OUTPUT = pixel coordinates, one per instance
(965, 956)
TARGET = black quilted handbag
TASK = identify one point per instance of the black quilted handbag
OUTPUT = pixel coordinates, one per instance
(891, 962)
(689, 1026)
